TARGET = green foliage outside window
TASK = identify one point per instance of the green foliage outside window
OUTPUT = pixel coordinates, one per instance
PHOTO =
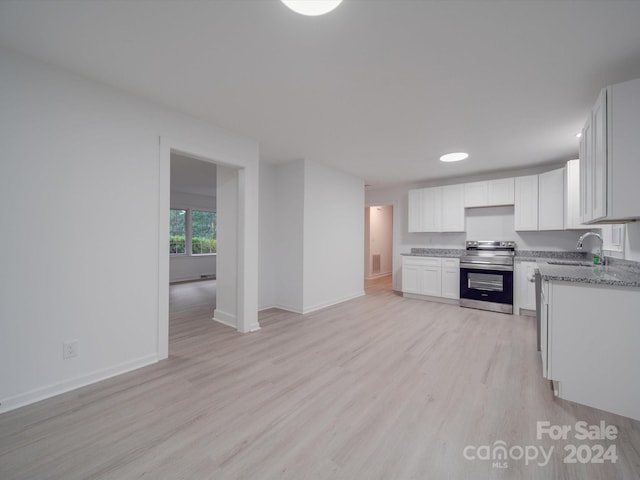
(177, 231)
(203, 228)
(203, 232)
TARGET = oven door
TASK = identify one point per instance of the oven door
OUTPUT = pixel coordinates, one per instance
(488, 287)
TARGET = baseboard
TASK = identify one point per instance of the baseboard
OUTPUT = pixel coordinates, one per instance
(225, 318)
(35, 395)
(191, 279)
(332, 302)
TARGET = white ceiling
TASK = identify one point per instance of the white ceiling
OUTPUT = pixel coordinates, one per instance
(377, 88)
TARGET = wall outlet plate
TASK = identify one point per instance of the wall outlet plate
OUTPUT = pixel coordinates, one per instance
(69, 349)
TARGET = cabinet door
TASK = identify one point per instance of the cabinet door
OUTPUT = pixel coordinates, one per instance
(415, 210)
(451, 278)
(431, 281)
(453, 208)
(599, 126)
(544, 328)
(432, 209)
(526, 203)
(572, 217)
(551, 200)
(475, 194)
(526, 285)
(500, 192)
(586, 172)
(411, 279)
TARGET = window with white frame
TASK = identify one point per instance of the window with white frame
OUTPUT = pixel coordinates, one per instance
(192, 232)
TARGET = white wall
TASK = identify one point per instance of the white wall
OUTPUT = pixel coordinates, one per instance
(289, 243)
(632, 242)
(80, 171)
(333, 236)
(188, 267)
(268, 234)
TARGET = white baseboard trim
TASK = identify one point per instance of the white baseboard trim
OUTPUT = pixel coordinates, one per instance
(225, 318)
(329, 303)
(42, 393)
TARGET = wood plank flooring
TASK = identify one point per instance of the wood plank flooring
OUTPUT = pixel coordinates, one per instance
(380, 387)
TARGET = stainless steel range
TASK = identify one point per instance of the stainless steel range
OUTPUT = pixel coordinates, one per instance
(486, 275)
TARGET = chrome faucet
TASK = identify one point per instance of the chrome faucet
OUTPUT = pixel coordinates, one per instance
(599, 237)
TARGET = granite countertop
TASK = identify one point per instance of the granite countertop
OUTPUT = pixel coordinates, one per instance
(435, 252)
(575, 267)
(595, 274)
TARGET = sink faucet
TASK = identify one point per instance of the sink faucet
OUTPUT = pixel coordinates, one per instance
(599, 237)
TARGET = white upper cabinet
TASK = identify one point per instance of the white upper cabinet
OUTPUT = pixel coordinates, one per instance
(501, 191)
(526, 203)
(572, 215)
(551, 200)
(415, 210)
(609, 156)
(437, 209)
(489, 193)
(432, 209)
(453, 208)
(475, 194)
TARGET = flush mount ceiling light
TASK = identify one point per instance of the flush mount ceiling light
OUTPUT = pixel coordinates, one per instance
(312, 7)
(454, 157)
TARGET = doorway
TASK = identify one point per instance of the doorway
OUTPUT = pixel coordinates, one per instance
(192, 245)
(378, 247)
(237, 271)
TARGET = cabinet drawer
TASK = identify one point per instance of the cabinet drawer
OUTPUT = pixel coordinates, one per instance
(451, 262)
(422, 261)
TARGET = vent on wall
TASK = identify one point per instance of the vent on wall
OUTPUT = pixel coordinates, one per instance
(375, 263)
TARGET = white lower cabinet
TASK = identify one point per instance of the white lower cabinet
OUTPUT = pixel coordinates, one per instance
(590, 353)
(431, 276)
(422, 275)
(451, 278)
(525, 288)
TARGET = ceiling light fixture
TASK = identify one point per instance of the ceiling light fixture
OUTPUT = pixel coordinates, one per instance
(312, 7)
(454, 157)
(579, 135)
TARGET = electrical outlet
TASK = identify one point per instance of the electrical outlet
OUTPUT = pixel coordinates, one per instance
(70, 349)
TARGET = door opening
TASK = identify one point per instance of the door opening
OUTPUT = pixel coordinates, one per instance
(378, 246)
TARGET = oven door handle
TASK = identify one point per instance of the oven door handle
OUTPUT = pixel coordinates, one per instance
(487, 266)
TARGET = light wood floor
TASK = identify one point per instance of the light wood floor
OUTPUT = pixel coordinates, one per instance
(380, 387)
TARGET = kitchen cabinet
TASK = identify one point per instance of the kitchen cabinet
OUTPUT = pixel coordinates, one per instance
(572, 215)
(415, 210)
(489, 193)
(590, 354)
(525, 287)
(422, 275)
(436, 209)
(453, 208)
(608, 154)
(551, 200)
(451, 278)
(526, 203)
